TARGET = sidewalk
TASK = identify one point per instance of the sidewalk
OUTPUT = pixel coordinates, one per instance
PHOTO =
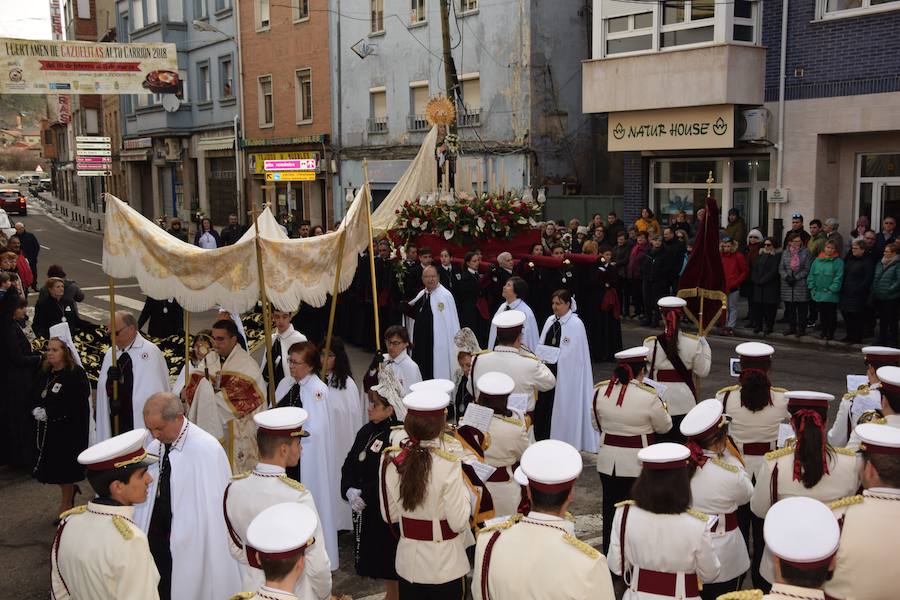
(56, 209)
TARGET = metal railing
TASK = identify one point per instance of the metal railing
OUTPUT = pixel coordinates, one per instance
(468, 117)
(377, 124)
(417, 123)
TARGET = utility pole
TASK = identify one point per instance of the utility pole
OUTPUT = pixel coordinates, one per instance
(451, 80)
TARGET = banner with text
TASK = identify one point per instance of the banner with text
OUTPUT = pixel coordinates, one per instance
(695, 127)
(56, 66)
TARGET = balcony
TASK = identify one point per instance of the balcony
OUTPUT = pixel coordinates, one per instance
(377, 125)
(698, 76)
(415, 123)
(468, 117)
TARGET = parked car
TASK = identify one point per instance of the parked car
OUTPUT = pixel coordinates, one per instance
(6, 225)
(46, 184)
(12, 201)
(2, 179)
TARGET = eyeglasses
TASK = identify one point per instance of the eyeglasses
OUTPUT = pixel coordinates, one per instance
(296, 363)
(395, 342)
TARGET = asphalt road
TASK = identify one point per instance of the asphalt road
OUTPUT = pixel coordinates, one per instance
(26, 532)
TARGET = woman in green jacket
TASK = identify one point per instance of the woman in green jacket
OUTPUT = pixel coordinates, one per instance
(886, 294)
(824, 281)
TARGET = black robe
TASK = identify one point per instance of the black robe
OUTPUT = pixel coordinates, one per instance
(64, 395)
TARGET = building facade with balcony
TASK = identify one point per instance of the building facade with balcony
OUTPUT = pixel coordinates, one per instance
(692, 87)
(518, 66)
(287, 83)
(180, 159)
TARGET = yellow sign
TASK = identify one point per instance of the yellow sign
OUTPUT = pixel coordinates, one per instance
(291, 176)
(695, 127)
(259, 160)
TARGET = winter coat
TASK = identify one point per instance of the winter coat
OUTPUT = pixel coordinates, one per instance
(636, 262)
(650, 227)
(738, 232)
(765, 279)
(816, 244)
(825, 278)
(621, 256)
(857, 285)
(659, 269)
(735, 267)
(793, 283)
(886, 285)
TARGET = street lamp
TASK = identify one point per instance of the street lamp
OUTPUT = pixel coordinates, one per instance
(207, 26)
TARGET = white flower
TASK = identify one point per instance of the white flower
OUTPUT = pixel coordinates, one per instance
(452, 216)
(464, 229)
(416, 222)
(451, 201)
(424, 225)
(480, 223)
(448, 234)
(522, 221)
(532, 222)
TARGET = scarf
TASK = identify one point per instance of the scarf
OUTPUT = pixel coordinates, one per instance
(697, 456)
(795, 258)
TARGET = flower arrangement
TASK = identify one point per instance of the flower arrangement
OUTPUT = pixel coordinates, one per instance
(466, 217)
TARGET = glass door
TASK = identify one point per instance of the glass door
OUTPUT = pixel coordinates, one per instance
(878, 194)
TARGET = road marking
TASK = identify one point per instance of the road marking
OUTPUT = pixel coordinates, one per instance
(106, 287)
(124, 301)
(44, 247)
(91, 262)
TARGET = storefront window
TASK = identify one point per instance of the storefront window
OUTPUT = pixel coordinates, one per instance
(687, 171)
(880, 165)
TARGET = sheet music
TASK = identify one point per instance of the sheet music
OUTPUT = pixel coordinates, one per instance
(483, 470)
(477, 416)
(518, 403)
(785, 432)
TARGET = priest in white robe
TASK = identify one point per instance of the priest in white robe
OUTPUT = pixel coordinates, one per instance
(224, 401)
(141, 372)
(437, 322)
(514, 290)
(182, 516)
(283, 338)
(570, 405)
(319, 471)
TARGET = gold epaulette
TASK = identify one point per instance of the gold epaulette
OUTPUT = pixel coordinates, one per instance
(445, 455)
(243, 475)
(528, 355)
(569, 517)
(879, 421)
(243, 595)
(725, 465)
(480, 352)
(597, 386)
(624, 503)
(742, 595)
(846, 501)
(728, 388)
(644, 386)
(498, 526)
(396, 427)
(845, 451)
(511, 420)
(697, 514)
(587, 549)
(780, 390)
(650, 338)
(123, 527)
(73, 511)
(391, 449)
(291, 482)
(779, 453)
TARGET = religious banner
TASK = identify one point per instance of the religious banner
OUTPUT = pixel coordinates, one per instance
(57, 66)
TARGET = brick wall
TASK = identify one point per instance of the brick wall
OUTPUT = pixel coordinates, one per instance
(635, 182)
(842, 57)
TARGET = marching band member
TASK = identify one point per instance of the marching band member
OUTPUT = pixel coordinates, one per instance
(864, 399)
(719, 485)
(661, 546)
(676, 358)
(628, 414)
(543, 541)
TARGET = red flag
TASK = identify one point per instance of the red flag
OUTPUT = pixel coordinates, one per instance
(702, 284)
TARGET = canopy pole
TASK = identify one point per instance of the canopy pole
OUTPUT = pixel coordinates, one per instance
(371, 254)
(187, 347)
(114, 401)
(266, 315)
(334, 300)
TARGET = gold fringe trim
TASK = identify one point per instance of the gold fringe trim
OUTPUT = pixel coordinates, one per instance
(585, 548)
(73, 511)
(846, 501)
(779, 453)
(721, 463)
(291, 482)
(123, 527)
(697, 514)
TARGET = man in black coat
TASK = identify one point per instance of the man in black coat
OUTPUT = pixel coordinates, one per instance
(657, 273)
(232, 232)
(30, 248)
(166, 317)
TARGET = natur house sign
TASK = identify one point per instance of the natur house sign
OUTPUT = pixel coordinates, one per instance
(695, 127)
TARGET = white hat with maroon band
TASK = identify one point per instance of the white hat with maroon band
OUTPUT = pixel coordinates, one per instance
(671, 302)
(875, 438)
(881, 356)
(807, 399)
(280, 531)
(889, 378)
(119, 452)
(754, 350)
(442, 385)
(286, 421)
(495, 383)
(426, 402)
(508, 319)
(665, 455)
(801, 532)
(551, 466)
(703, 420)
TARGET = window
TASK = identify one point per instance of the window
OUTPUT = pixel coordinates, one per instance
(687, 22)
(629, 33)
(91, 121)
(417, 12)
(266, 107)
(301, 9)
(378, 120)
(743, 29)
(470, 113)
(851, 7)
(84, 9)
(222, 5)
(152, 16)
(200, 9)
(468, 5)
(377, 16)
(204, 83)
(304, 96)
(418, 99)
(262, 14)
(175, 10)
(226, 76)
(184, 85)
(137, 9)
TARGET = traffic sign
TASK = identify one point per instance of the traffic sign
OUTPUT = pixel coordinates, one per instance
(94, 173)
(92, 166)
(94, 159)
(93, 153)
(292, 176)
(303, 164)
(93, 138)
(92, 146)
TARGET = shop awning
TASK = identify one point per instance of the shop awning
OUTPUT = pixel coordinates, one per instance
(134, 155)
(216, 143)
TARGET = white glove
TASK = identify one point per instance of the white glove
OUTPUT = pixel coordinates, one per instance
(39, 414)
(354, 496)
